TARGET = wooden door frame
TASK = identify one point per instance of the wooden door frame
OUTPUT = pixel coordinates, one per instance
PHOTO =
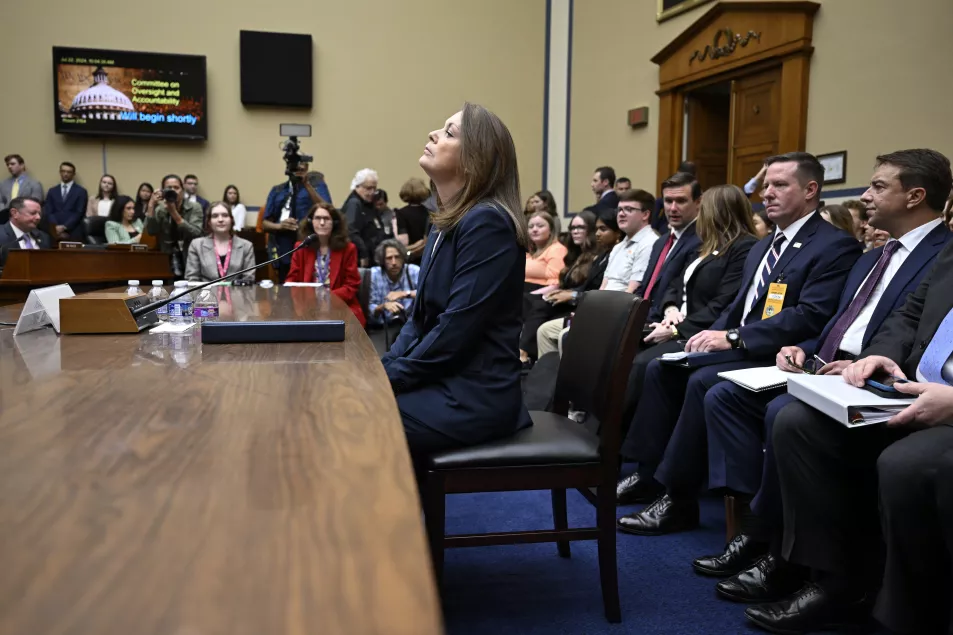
(731, 41)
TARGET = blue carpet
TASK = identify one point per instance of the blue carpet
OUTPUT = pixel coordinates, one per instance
(530, 590)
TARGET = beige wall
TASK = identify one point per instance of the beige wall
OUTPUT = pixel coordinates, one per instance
(880, 81)
(386, 73)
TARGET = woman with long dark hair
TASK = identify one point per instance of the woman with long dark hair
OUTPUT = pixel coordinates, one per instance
(143, 194)
(233, 198)
(453, 367)
(122, 226)
(331, 260)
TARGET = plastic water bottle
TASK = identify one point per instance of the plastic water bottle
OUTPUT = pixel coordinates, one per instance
(206, 305)
(180, 309)
(133, 288)
(157, 293)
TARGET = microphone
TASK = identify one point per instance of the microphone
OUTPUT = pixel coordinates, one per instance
(137, 313)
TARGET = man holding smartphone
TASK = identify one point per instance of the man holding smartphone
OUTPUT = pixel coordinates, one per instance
(173, 220)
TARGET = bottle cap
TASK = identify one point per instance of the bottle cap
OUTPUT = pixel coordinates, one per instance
(157, 283)
(133, 283)
(181, 283)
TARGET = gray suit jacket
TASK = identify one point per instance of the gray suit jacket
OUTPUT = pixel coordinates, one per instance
(28, 187)
(202, 264)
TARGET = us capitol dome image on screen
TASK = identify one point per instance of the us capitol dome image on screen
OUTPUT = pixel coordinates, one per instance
(99, 101)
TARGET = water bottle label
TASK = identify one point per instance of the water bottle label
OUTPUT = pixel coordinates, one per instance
(175, 309)
(205, 312)
(163, 310)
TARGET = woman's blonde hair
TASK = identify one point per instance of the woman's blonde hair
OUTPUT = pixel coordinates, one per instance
(490, 172)
(533, 249)
(724, 216)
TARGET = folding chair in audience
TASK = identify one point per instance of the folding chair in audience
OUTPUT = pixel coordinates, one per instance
(557, 453)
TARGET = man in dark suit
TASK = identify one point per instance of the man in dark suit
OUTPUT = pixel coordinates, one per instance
(21, 231)
(659, 219)
(792, 280)
(191, 185)
(738, 429)
(828, 472)
(603, 186)
(66, 205)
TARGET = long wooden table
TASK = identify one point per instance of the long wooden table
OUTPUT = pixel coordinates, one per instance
(150, 485)
(27, 269)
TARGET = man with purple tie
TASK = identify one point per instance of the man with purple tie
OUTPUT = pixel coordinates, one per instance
(828, 473)
(21, 231)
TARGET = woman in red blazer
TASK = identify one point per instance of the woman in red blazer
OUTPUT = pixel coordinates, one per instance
(332, 259)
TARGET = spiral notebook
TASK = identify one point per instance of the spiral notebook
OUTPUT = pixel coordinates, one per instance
(758, 379)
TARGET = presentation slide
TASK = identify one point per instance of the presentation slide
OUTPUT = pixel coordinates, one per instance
(102, 92)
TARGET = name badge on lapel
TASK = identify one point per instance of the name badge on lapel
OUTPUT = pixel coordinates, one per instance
(774, 300)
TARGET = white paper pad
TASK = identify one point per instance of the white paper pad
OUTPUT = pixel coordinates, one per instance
(169, 327)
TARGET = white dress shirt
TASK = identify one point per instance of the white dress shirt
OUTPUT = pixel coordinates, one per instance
(65, 188)
(854, 336)
(789, 233)
(629, 260)
(19, 234)
(689, 272)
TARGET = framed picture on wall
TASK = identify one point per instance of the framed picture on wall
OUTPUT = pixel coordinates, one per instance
(670, 8)
(835, 167)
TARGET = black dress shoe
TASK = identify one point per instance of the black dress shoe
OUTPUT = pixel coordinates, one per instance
(664, 516)
(741, 553)
(810, 610)
(769, 580)
(635, 489)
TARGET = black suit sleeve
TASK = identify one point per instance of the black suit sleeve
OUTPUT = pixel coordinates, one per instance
(729, 284)
(676, 289)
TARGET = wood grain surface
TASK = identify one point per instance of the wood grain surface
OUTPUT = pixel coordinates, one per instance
(153, 486)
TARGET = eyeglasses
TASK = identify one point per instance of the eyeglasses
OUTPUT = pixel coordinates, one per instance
(630, 210)
(320, 220)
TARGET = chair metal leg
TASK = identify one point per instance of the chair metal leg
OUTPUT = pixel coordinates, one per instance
(435, 516)
(608, 568)
(560, 520)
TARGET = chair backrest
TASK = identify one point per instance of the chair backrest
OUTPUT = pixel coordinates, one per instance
(364, 294)
(597, 358)
(96, 229)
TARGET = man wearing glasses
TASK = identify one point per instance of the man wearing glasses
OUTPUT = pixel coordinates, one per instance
(630, 258)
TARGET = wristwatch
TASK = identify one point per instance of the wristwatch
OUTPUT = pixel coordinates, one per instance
(674, 332)
(734, 338)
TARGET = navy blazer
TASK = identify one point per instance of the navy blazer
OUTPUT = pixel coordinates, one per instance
(682, 253)
(814, 266)
(904, 282)
(69, 212)
(454, 366)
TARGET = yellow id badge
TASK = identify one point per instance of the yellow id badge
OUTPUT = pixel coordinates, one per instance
(774, 300)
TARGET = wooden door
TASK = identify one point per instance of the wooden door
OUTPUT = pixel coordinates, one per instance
(755, 123)
(709, 117)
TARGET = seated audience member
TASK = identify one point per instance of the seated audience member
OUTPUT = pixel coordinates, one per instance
(412, 219)
(102, 203)
(541, 307)
(739, 422)
(708, 282)
(393, 285)
(874, 238)
(143, 195)
(826, 472)
(233, 198)
(622, 184)
(282, 216)
(805, 262)
(543, 201)
(220, 252)
(66, 205)
(677, 245)
(546, 255)
(838, 216)
(858, 213)
(123, 227)
(388, 218)
(603, 184)
(364, 222)
(20, 184)
(659, 219)
(331, 260)
(762, 224)
(21, 232)
(174, 222)
(608, 235)
(191, 185)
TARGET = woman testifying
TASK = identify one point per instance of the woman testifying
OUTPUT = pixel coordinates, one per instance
(454, 367)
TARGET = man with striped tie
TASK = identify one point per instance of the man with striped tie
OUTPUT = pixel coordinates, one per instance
(791, 286)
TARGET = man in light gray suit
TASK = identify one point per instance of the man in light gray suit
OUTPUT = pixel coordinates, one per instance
(20, 184)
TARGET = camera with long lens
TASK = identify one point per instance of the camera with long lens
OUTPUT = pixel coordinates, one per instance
(292, 148)
(170, 196)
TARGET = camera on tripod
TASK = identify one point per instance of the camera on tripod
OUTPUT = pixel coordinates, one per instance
(292, 147)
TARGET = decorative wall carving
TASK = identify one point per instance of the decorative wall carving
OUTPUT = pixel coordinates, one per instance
(732, 41)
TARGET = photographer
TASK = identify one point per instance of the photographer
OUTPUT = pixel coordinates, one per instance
(283, 214)
(174, 221)
(393, 285)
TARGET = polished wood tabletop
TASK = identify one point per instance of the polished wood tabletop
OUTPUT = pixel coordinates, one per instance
(150, 485)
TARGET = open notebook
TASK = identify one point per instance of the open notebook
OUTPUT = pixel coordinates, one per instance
(847, 404)
(757, 379)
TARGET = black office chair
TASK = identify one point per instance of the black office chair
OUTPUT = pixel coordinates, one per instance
(95, 230)
(557, 452)
(364, 293)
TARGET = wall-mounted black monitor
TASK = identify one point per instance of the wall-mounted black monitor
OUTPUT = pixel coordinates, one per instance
(276, 69)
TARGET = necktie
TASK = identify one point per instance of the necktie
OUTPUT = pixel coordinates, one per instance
(27, 243)
(15, 191)
(939, 350)
(64, 191)
(772, 260)
(658, 265)
(834, 338)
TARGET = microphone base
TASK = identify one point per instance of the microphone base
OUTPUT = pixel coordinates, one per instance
(272, 332)
(104, 312)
